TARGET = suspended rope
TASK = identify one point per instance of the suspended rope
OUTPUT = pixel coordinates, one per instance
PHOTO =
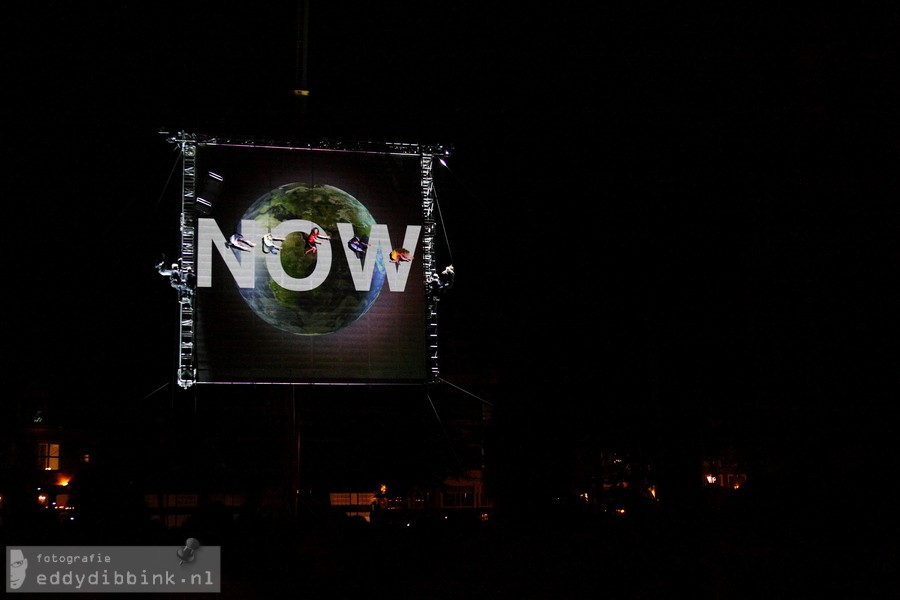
(482, 400)
(438, 207)
(446, 437)
(169, 180)
(443, 227)
(154, 391)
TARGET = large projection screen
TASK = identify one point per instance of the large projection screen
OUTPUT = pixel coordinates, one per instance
(298, 315)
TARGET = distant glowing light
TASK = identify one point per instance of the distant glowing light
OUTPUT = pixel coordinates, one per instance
(710, 479)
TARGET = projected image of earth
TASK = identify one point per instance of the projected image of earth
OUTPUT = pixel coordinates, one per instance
(335, 303)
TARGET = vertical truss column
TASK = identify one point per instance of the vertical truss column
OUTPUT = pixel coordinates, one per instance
(428, 264)
(186, 369)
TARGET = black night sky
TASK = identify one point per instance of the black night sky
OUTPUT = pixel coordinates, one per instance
(673, 229)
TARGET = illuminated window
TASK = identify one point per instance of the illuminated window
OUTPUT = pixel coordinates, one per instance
(339, 499)
(48, 456)
(462, 495)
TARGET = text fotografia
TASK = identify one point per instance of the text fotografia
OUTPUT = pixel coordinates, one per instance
(71, 559)
(70, 579)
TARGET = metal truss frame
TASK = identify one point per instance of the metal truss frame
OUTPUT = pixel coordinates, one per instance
(186, 375)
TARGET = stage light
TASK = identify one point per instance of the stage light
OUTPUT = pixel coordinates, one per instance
(208, 192)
